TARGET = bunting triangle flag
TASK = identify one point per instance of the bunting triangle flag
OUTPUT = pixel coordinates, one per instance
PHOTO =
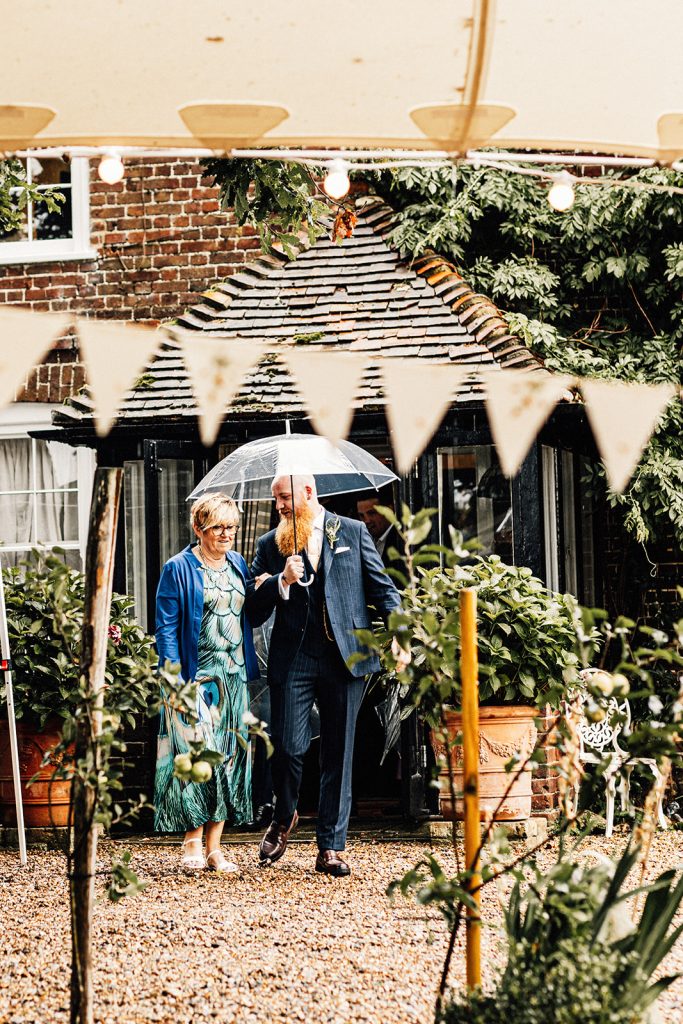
(25, 337)
(418, 397)
(216, 368)
(328, 385)
(623, 418)
(115, 354)
(518, 403)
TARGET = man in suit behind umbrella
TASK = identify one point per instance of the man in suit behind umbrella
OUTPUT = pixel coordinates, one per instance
(384, 535)
(311, 640)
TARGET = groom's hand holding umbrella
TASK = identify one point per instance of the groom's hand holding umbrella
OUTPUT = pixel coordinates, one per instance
(293, 570)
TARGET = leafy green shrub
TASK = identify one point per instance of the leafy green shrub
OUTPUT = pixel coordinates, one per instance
(574, 951)
(45, 601)
(574, 988)
(526, 635)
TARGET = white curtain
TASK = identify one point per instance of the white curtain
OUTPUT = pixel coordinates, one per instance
(38, 494)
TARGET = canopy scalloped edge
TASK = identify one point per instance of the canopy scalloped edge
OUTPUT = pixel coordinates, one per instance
(221, 125)
(19, 124)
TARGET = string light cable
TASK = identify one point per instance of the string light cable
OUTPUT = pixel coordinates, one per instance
(336, 165)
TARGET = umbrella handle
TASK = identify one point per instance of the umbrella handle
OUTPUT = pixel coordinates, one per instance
(296, 547)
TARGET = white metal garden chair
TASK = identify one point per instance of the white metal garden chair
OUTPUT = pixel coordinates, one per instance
(601, 739)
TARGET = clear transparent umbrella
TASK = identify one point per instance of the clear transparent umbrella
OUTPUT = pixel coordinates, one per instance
(247, 473)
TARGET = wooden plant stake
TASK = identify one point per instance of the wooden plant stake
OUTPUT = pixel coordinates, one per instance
(99, 565)
(470, 749)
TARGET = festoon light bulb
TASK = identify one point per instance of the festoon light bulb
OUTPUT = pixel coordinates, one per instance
(111, 168)
(561, 195)
(336, 183)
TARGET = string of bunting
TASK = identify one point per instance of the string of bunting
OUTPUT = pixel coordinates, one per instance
(623, 416)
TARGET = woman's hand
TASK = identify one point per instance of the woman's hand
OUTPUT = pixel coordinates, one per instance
(261, 579)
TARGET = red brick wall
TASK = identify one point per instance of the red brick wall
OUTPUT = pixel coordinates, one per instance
(161, 240)
(545, 784)
(641, 580)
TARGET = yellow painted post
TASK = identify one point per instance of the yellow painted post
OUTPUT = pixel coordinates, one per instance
(469, 670)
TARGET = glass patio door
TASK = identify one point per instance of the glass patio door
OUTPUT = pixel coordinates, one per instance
(157, 515)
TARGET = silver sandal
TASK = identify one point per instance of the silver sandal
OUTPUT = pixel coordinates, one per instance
(224, 866)
(190, 863)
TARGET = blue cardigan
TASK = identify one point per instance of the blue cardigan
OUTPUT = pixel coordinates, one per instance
(180, 605)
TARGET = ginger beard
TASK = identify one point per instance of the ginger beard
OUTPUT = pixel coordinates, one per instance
(284, 534)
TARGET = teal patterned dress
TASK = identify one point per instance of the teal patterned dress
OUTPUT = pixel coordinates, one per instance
(223, 698)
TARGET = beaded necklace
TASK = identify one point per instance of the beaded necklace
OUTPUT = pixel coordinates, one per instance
(205, 564)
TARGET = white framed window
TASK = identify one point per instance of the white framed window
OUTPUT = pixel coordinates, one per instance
(64, 234)
(45, 488)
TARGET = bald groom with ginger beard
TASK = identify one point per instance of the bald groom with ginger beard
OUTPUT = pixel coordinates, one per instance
(312, 638)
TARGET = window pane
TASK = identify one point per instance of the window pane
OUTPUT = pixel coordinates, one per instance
(53, 223)
(136, 552)
(16, 510)
(254, 522)
(550, 526)
(50, 172)
(589, 595)
(475, 498)
(20, 233)
(45, 173)
(16, 516)
(43, 507)
(56, 467)
(175, 483)
(569, 539)
(56, 517)
(56, 223)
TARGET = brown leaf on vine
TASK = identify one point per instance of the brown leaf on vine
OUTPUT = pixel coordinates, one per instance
(344, 223)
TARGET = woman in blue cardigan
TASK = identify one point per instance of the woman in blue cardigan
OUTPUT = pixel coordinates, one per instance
(202, 626)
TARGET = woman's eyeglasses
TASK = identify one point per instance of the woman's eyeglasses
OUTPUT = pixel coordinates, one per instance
(218, 530)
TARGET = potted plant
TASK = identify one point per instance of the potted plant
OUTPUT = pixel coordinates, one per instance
(528, 658)
(45, 601)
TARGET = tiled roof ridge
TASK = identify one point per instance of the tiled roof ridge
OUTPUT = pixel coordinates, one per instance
(221, 295)
(476, 312)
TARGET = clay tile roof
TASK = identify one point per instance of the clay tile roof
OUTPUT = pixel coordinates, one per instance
(359, 295)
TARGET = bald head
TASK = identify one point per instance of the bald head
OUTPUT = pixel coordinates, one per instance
(301, 482)
(304, 494)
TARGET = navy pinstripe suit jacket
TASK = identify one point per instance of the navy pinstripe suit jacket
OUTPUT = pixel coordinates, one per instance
(354, 579)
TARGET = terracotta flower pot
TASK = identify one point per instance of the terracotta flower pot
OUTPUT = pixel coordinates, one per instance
(46, 801)
(503, 731)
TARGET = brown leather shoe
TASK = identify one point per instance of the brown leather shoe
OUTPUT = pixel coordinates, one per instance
(330, 863)
(274, 842)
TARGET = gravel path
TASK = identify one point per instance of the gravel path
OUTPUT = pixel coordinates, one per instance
(281, 945)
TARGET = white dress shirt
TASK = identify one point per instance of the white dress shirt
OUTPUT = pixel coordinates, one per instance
(313, 550)
(381, 542)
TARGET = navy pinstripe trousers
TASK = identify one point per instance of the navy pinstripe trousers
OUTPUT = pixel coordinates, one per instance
(326, 679)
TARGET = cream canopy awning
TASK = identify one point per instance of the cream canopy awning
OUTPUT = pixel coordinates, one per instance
(601, 76)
